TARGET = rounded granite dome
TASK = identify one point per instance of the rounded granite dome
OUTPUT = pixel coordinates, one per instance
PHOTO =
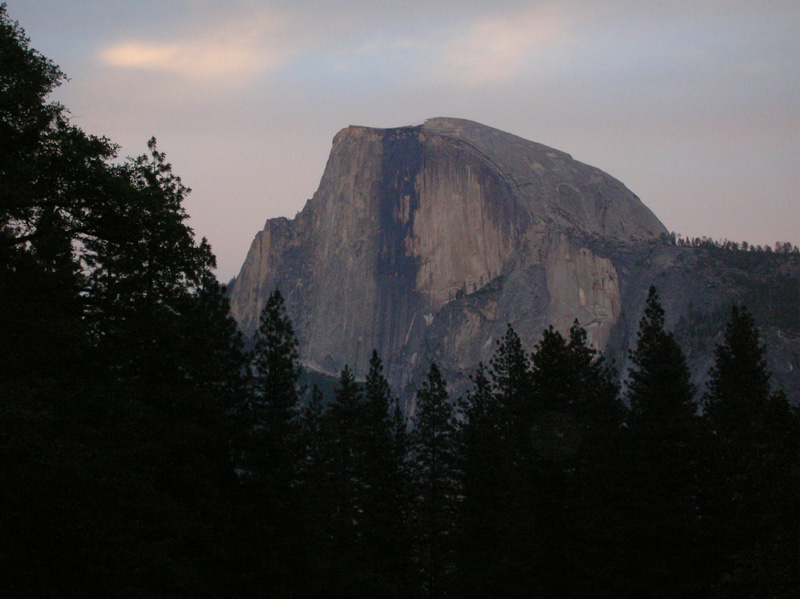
(552, 187)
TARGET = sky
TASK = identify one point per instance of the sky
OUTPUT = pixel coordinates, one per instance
(694, 105)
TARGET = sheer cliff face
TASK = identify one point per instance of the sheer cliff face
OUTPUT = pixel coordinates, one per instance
(428, 240)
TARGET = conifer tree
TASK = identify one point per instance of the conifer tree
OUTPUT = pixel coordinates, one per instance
(481, 439)
(602, 411)
(364, 489)
(511, 414)
(755, 468)
(270, 442)
(345, 433)
(739, 388)
(213, 356)
(579, 415)
(268, 459)
(482, 544)
(312, 498)
(277, 368)
(660, 391)
(573, 386)
(663, 444)
(271, 413)
(384, 449)
(311, 423)
(386, 556)
(435, 480)
(510, 376)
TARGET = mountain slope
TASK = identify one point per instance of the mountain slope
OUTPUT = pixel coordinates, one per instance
(423, 242)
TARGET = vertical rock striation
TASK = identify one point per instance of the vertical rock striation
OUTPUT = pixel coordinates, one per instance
(410, 220)
(424, 242)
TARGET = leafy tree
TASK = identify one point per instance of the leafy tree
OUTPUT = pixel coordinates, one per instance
(435, 480)
(117, 459)
(27, 123)
(145, 268)
(43, 164)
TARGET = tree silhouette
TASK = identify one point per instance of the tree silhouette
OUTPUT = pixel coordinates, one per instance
(435, 479)
(663, 436)
(755, 470)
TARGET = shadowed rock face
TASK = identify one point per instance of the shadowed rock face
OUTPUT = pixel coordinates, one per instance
(408, 220)
(423, 242)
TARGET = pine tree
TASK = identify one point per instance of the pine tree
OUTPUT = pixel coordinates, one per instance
(386, 490)
(312, 499)
(311, 423)
(510, 412)
(755, 470)
(272, 548)
(345, 431)
(510, 376)
(277, 367)
(660, 391)
(365, 489)
(385, 449)
(270, 450)
(578, 418)
(738, 388)
(481, 438)
(663, 444)
(482, 545)
(213, 356)
(435, 479)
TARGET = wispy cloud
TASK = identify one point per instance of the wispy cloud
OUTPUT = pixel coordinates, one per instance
(495, 49)
(235, 51)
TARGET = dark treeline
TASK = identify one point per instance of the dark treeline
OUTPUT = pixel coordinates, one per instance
(145, 453)
(546, 480)
(780, 247)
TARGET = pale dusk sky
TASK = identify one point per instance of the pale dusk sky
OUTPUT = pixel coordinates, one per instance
(694, 105)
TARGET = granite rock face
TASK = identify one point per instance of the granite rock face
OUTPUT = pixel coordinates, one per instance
(424, 242)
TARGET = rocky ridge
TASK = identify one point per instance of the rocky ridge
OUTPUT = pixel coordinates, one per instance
(423, 242)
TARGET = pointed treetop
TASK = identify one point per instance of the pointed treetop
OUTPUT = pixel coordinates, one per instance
(276, 357)
(659, 386)
(653, 319)
(739, 385)
(509, 367)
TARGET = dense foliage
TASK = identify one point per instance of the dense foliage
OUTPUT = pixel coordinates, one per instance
(145, 453)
